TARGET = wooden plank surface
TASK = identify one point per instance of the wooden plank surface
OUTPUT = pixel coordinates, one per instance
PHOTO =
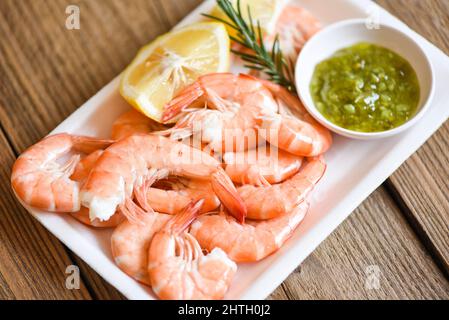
(421, 184)
(46, 72)
(376, 235)
(32, 261)
(96, 285)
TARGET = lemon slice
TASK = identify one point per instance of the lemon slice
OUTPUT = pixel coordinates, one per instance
(172, 61)
(264, 11)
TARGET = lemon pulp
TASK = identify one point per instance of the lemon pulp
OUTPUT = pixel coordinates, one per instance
(171, 62)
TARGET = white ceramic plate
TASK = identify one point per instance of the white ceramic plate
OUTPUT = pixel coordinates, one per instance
(355, 169)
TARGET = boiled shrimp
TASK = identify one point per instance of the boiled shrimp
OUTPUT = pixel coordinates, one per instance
(133, 122)
(42, 182)
(84, 165)
(178, 268)
(80, 174)
(234, 103)
(267, 202)
(83, 216)
(293, 129)
(131, 161)
(294, 27)
(261, 166)
(131, 239)
(247, 242)
(173, 194)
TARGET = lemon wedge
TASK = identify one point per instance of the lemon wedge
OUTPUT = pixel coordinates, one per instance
(172, 61)
(264, 11)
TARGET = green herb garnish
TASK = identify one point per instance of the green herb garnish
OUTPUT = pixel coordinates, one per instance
(272, 63)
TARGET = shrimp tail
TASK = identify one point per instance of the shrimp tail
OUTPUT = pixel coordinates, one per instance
(133, 213)
(227, 193)
(256, 178)
(88, 144)
(141, 192)
(282, 94)
(182, 101)
(316, 172)
(181, 130)
(69, 168)
(175, 133)
(184, 219)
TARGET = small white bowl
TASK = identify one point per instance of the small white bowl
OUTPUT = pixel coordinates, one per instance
(347, 33)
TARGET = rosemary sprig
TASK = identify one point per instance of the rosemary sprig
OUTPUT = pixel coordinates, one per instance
(249, 35)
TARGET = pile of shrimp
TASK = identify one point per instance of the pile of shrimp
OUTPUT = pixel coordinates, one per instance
(228, 183)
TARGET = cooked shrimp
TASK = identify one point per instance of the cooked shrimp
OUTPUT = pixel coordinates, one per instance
(80, 174)
(237, 101)
(42, 182)
(294, 27)
(272, 201)
(131, 161)
(177, 267)
(261, 166)
(132, 122)
(300, 134)
(83, 167)
(130, 240)
(83, 216)
(247, 242)
(173, 194)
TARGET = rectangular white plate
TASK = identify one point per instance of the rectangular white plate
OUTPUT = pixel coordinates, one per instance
(356, 168)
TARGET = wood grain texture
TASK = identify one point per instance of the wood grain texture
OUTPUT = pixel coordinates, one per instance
(97, 286)
(33, 262)
(376, 234)
(46, 72)
(421, 184)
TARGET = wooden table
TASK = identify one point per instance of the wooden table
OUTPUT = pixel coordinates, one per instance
(401, 232)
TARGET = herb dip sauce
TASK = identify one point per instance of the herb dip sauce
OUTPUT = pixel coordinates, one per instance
(366, 88)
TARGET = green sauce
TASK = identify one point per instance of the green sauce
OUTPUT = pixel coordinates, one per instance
(366, 88)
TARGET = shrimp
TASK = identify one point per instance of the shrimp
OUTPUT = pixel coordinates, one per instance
(173, 194)
(132, 122)
(131, 161)
(80, 174)
(294, 27)
(83, 216)
(83, 167)
(262, 166)
(267, 202)
(237, 101)
(294, 129)
(247, 242)
(177, 267)
(39, 179)
(131, 239)
(177, 192)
